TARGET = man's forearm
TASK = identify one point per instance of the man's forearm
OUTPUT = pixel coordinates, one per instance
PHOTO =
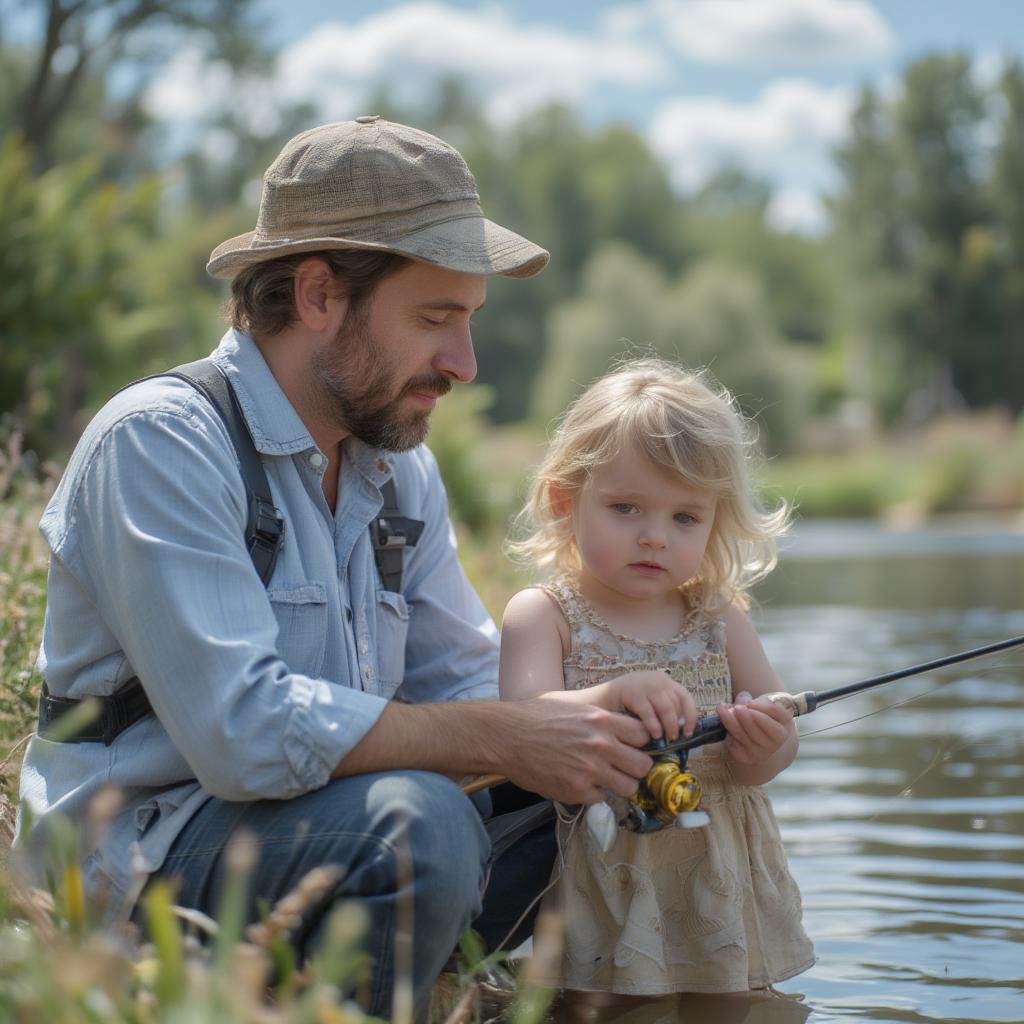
(451, 738)
(561, 747)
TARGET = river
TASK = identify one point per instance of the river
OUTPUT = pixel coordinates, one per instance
(905, 829)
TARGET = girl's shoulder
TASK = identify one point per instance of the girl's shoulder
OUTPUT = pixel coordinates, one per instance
(535, 607)
(563, 590)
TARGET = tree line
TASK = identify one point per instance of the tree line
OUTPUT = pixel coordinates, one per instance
(910, 306)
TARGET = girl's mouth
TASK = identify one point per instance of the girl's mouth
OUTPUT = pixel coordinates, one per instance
(647, 568)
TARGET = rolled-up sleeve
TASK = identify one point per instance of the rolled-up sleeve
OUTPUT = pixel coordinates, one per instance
(154, 532)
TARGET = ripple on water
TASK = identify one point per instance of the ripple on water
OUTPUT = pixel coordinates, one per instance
(905, 829)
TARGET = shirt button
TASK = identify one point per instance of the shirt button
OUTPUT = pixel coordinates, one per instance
(364, 647)
(318, 460)
(368, 674)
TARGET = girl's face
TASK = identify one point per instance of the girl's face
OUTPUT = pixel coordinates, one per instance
(641, 531)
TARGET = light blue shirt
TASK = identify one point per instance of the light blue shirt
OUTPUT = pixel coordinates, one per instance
(258, 693)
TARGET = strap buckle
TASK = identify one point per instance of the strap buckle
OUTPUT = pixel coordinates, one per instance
(396, 531)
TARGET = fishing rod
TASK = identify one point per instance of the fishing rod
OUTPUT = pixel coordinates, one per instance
(711, 730)
(670, 794)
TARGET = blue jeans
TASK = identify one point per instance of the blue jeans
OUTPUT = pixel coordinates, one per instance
(358, 823)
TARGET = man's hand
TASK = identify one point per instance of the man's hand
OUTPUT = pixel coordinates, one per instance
(572, 749)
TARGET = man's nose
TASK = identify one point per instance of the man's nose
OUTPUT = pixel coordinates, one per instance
(456, 359)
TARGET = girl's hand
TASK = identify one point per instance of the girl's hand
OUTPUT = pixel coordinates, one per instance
(654, 697)
(757, 728)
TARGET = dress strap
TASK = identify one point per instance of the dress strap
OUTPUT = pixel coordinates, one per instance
(569, 600)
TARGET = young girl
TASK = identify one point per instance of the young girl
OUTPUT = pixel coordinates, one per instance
(644, 507)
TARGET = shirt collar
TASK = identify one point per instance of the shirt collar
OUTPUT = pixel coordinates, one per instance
(276, 428)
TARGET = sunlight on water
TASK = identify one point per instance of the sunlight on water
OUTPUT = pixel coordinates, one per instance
(905, 829)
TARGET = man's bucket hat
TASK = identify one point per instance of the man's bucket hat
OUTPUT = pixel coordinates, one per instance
(372, 184)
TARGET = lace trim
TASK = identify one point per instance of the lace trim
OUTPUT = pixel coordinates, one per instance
(575, 606)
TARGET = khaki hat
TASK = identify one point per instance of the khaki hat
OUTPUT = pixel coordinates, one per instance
(372, 184)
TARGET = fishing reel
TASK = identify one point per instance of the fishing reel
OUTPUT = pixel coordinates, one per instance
(668, 795)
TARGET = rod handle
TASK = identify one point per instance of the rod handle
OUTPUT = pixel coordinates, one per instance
(799, 703)
(482, 782)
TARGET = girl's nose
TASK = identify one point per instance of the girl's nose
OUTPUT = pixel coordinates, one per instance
(652, 535)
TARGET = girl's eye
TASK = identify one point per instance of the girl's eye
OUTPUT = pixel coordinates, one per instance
(684, 518)
(623, 507)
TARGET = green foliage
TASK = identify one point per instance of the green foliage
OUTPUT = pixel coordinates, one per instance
(97, 290)
(23, 561)
(714, 315)
(56, 965)
(958, 465)
(928, 234)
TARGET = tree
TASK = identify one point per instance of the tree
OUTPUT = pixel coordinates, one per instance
(1008, 227)
(924, 223)
(713, 315)
(96, 291)
(80, 41)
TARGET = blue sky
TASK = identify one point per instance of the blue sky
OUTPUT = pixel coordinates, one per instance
(767, 84)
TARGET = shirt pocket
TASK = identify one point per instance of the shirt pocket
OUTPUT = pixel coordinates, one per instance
(301, 614)
(392, 633)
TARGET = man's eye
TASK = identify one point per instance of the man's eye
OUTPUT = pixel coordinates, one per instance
(431, 322)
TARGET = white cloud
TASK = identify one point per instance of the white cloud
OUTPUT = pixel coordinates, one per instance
(510, 67)
(192, 86)
(988, 67)
(799, 210)
(786, 134)
(768, 32)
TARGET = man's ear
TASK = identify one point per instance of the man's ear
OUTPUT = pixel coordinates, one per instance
(316, 294)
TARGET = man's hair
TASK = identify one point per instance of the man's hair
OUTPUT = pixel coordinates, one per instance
(262, 299)
(687, 426)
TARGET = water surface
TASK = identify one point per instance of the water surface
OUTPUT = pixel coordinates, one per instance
(905, 825)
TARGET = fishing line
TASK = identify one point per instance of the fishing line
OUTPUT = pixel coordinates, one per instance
(908, 700)
(878, 711)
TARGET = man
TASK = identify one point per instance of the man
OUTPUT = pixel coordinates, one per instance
(271, 707)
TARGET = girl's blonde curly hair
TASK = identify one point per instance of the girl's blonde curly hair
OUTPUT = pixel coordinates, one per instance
(685, 423)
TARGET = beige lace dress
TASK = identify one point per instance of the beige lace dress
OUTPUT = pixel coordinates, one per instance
(709, 909)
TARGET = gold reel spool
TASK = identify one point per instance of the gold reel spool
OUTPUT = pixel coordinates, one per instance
(672, 790)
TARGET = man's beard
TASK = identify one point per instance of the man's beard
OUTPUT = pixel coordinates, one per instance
(354, 384)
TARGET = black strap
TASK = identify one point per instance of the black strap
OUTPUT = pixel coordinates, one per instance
(264, 528)
(392, 534)
(117, 712)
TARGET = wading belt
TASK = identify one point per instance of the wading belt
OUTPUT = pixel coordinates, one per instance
(390, 532)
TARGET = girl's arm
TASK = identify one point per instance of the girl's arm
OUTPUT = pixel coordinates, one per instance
(535, 641)
(762, 738)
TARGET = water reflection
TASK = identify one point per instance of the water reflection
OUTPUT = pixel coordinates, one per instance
(905, 825)
(603, 1008)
